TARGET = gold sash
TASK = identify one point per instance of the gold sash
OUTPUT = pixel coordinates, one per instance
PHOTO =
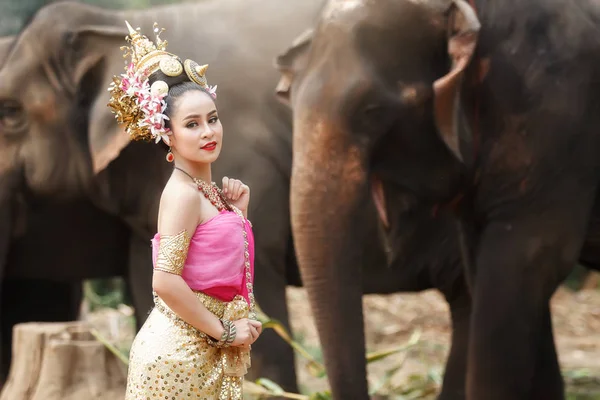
(236, 360)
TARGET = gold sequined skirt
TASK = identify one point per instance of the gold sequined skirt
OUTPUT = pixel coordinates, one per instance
(170, 359)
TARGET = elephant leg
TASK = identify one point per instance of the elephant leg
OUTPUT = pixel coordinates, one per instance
(139, 278)
(520, 263)
(547, 381)
(28, 300)
(455, 373)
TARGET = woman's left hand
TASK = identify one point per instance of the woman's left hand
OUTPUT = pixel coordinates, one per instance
(237, 193)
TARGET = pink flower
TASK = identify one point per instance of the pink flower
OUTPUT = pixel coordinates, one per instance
(153, 107)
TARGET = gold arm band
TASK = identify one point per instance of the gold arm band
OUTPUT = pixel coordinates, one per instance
(172, 252)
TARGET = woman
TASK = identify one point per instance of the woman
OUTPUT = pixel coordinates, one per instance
(196, 341)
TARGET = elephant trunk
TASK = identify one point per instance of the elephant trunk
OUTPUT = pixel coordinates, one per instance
(326, 198)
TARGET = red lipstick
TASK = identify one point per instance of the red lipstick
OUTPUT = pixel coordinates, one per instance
(210, 146)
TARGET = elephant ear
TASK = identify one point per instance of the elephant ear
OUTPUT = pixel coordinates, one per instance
(86, 49)
(89, 47)
(290, 63)
(463, 31)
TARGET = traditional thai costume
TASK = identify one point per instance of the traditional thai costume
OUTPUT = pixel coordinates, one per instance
(169, 358)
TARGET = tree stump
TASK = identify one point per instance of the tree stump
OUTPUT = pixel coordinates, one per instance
(62, 361)
(592, 281)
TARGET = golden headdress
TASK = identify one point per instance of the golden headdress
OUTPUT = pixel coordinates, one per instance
(135, 103)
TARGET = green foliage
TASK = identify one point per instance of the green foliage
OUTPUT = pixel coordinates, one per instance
(13, 14)
(105, 293)
(577, 278)
(582, 384)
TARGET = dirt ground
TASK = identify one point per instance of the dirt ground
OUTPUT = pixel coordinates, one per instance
(392, 319)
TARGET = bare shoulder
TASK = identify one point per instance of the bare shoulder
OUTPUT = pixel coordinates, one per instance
(179, 208)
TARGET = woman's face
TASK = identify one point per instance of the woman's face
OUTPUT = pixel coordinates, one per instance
(197, 130)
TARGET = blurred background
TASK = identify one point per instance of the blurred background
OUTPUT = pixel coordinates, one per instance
(408, 348)
(13, 14)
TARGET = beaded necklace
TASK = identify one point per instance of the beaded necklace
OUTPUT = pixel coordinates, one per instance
(215, 195)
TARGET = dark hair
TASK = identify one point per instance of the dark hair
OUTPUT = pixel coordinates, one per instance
(178, 85)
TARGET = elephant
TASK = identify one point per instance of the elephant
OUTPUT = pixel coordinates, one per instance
(80, 155)
(446, 103)
(35, 231)
(8, 181)
(65, 144)
(27, 303)
(29, 293)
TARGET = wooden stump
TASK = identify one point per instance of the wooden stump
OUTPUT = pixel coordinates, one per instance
(62, 361)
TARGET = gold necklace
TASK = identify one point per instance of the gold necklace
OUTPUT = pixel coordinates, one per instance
(217, 198)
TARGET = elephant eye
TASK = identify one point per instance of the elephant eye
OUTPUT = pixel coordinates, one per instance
(374, 117)
(12, 116)
(372, 111)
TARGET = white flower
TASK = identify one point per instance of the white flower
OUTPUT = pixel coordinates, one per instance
(153, 106)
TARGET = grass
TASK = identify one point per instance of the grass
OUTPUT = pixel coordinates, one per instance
(582, 384)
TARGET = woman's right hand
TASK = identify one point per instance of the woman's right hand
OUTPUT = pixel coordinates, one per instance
(247, 331)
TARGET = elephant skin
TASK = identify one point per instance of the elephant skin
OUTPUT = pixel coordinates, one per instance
(68, 146)
(413, 266)
(464, 109)
(126, 182)
(47, 248)
(8, 179)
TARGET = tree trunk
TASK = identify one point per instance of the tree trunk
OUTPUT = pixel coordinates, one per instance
(53, 361)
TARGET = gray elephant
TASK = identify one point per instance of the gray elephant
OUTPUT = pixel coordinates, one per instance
(112, 190)
(493, 120)
(422, 251)
(44, 269)
(9, 180)
(36, 229)
(66, 143)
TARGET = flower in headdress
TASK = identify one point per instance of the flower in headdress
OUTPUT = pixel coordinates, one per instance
(136, 104)
(146, 109)
(213, 91)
